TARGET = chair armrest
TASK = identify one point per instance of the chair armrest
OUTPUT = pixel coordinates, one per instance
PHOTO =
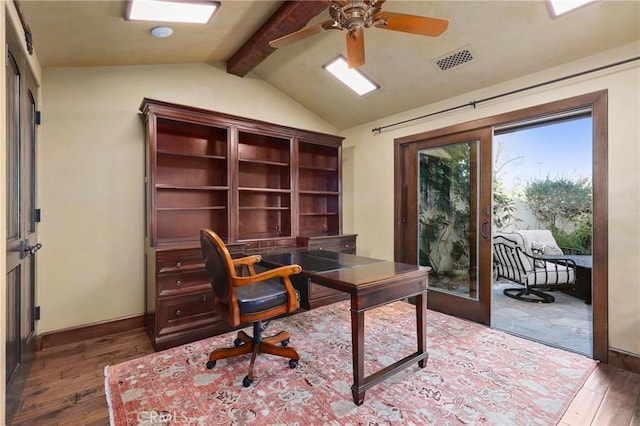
(558, 259)
(248, 261)
(572, 250)
(282, 271)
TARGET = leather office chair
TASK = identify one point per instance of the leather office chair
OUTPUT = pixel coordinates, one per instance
(249, 299)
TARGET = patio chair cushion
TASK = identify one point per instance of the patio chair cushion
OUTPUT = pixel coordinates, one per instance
(551, 273)
(542, 248)
(538, 241)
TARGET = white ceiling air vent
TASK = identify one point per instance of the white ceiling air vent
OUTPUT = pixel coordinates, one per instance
(454, 59)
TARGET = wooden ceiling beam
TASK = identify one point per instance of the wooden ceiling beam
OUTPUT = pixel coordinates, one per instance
(291, 16)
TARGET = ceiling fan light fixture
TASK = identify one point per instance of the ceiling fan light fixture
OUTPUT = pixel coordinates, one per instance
(193, 12)
(355, 79)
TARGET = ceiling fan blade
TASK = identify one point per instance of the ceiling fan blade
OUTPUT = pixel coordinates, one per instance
(300, 34)
(421, 25)
(355, 48)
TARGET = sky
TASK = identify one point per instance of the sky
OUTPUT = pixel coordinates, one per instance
(560, 150)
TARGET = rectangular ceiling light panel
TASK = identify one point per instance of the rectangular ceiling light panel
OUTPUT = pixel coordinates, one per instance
(194, 12)
(355, 79)
(560, 7)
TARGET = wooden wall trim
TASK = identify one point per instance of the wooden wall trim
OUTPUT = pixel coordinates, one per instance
(624, 360)
(84, 332)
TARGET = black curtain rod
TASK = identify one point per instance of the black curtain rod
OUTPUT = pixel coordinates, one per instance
(378, 130)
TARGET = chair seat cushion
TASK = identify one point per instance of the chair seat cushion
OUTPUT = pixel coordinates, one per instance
(261, 296)
(550, 274)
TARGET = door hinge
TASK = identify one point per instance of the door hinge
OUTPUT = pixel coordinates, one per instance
(37, 215)
(38, 118)
(36, 313)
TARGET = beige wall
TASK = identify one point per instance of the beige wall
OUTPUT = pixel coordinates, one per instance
(91, 176)
(90, 171)
(372, 167)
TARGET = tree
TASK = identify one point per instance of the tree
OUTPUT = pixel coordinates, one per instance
(503, 203)
(553, 200)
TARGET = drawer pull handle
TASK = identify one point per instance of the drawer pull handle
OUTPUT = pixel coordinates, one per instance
(178, 283)
(178, 312)
(204, 298)
(178, 265)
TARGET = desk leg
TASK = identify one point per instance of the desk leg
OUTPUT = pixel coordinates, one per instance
(421, 317)
(357, 345)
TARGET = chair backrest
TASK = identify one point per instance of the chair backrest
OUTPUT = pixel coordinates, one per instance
(511, 261)
(538, 241)
(218, 263)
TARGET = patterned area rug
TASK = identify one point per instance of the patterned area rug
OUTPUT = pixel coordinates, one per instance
(474, 375)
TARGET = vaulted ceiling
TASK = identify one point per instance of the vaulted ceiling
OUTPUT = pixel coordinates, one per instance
(506, 39)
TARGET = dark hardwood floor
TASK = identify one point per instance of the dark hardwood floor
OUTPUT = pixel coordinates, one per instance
(66, 386)
(66, 383)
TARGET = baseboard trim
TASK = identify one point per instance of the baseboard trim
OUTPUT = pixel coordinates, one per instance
(624, 360)
(84, 332)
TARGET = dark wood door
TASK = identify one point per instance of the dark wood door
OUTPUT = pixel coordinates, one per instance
(444, 201)
(21, 235)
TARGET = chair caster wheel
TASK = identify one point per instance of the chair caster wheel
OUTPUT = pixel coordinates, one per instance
(237, 342)
(246, 382)
(211, 364)
(293, 363)
(285, 342)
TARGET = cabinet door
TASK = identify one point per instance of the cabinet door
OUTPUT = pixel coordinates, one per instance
(182, 299)
(186, 312)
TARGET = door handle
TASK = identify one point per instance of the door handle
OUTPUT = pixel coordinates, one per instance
(483, 229)
(28, 250)
(34, 248)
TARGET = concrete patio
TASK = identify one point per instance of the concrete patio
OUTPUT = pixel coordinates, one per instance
(565, 323)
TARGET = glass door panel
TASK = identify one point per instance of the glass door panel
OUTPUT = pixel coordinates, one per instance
(451, 177)
(447, 217)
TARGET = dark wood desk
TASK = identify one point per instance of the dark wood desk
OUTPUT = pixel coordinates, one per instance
(370, 283)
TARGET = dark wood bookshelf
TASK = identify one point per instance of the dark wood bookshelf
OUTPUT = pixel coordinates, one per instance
(258, 185)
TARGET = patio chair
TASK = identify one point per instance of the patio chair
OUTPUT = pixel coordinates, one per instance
(533, 272)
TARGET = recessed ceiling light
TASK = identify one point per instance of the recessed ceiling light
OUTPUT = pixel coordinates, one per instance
(195, 12)
(355, 79)
(560, 7)
(161, 32)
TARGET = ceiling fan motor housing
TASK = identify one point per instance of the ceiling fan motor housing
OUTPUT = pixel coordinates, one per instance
(354, 14)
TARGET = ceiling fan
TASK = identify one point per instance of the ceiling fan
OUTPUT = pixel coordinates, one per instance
(356, 15)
